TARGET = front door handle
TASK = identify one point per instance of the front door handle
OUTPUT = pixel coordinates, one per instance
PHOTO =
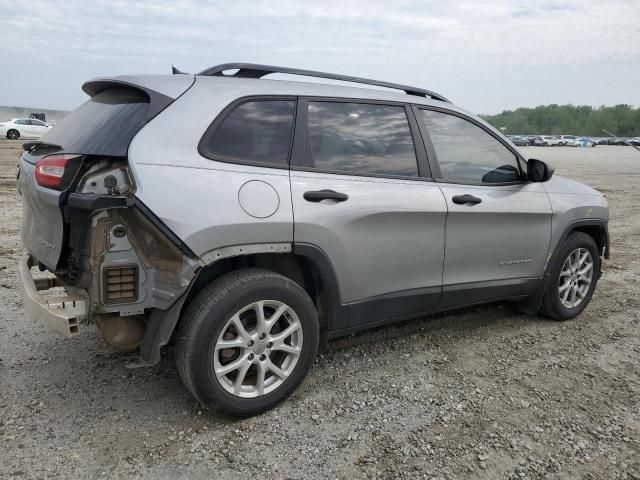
(464, 199)
(319, 195)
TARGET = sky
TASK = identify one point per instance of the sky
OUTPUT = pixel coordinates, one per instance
(484, 56)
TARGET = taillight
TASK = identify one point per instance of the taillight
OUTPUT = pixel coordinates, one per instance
(53, 171)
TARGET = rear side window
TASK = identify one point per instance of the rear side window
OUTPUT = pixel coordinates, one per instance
(104, 125)
(360, 139)
(467, 153)
(257, 131)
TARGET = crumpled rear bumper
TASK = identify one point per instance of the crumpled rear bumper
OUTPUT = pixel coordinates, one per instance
(60, 313)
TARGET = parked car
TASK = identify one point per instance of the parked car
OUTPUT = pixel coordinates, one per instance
(550, 141)
(23, 128)
(38, 116)
(604, 140)
(627, 141)
(619, 141)
(585, 142)
(535, 140)
(317, 222)
(520, 141)
(568, 140)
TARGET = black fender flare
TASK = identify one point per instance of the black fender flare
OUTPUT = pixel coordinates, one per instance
(162, 323)
(588, 222)
(338, 316)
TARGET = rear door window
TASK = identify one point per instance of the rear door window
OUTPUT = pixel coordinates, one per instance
(104, 125)
(257, 131)
(359, 139)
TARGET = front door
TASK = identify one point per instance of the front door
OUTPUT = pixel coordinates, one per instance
(498, 228)
(358, 196)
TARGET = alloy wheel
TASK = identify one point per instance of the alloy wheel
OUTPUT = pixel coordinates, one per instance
(575, 278)
(258, 349)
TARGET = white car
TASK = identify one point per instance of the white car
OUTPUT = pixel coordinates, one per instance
(585, 142)
(569, 140)
(549, 141)
(24, 128)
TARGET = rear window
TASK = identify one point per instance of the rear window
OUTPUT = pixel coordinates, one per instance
(104, 125)
(257, 131)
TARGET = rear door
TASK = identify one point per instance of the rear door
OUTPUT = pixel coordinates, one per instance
(38, 128)
(358, 195)
(31, 128)
(498, 227)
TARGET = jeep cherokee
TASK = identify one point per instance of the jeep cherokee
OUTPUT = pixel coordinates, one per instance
(248, 220)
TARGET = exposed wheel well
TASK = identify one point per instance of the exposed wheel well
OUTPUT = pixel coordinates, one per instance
(296, 267)
(599, 235)
(596, 231)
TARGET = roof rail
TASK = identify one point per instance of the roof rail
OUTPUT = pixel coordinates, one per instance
(253, 70)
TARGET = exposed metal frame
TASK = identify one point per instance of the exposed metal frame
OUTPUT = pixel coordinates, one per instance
(254, 70)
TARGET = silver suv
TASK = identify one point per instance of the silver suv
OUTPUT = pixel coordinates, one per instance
(249, 220)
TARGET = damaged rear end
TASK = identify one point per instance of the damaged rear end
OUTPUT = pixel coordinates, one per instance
(110, 260)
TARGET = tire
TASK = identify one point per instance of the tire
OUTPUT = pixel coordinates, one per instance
(13, 134)
(209, 320)
(557, 300)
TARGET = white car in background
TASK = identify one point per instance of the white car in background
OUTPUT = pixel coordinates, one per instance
(550, 141)
(585, 142)
(569, 140)
(24, 128)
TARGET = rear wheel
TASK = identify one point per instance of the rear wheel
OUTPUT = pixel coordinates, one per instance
(573, 277)
(13, 134)
(247, 341)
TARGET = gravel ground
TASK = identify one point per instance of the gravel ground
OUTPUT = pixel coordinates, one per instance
(482, 393)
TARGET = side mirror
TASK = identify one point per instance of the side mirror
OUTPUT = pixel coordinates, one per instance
(538, 171)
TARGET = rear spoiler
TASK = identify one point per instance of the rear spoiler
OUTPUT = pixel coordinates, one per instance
(162, 90)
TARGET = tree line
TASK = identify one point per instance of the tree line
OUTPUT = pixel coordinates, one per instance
(622, 120)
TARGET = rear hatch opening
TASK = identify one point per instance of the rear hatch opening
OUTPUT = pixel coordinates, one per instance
(86, 152)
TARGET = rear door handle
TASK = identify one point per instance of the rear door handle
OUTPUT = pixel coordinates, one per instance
(464, 199)
(319, 195)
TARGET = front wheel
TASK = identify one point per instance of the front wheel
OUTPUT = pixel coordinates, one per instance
(573, 277)
(247, 341)
(13, 134)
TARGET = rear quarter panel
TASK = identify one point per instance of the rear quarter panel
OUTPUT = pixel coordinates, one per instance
(197, 198)
(42, 227)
